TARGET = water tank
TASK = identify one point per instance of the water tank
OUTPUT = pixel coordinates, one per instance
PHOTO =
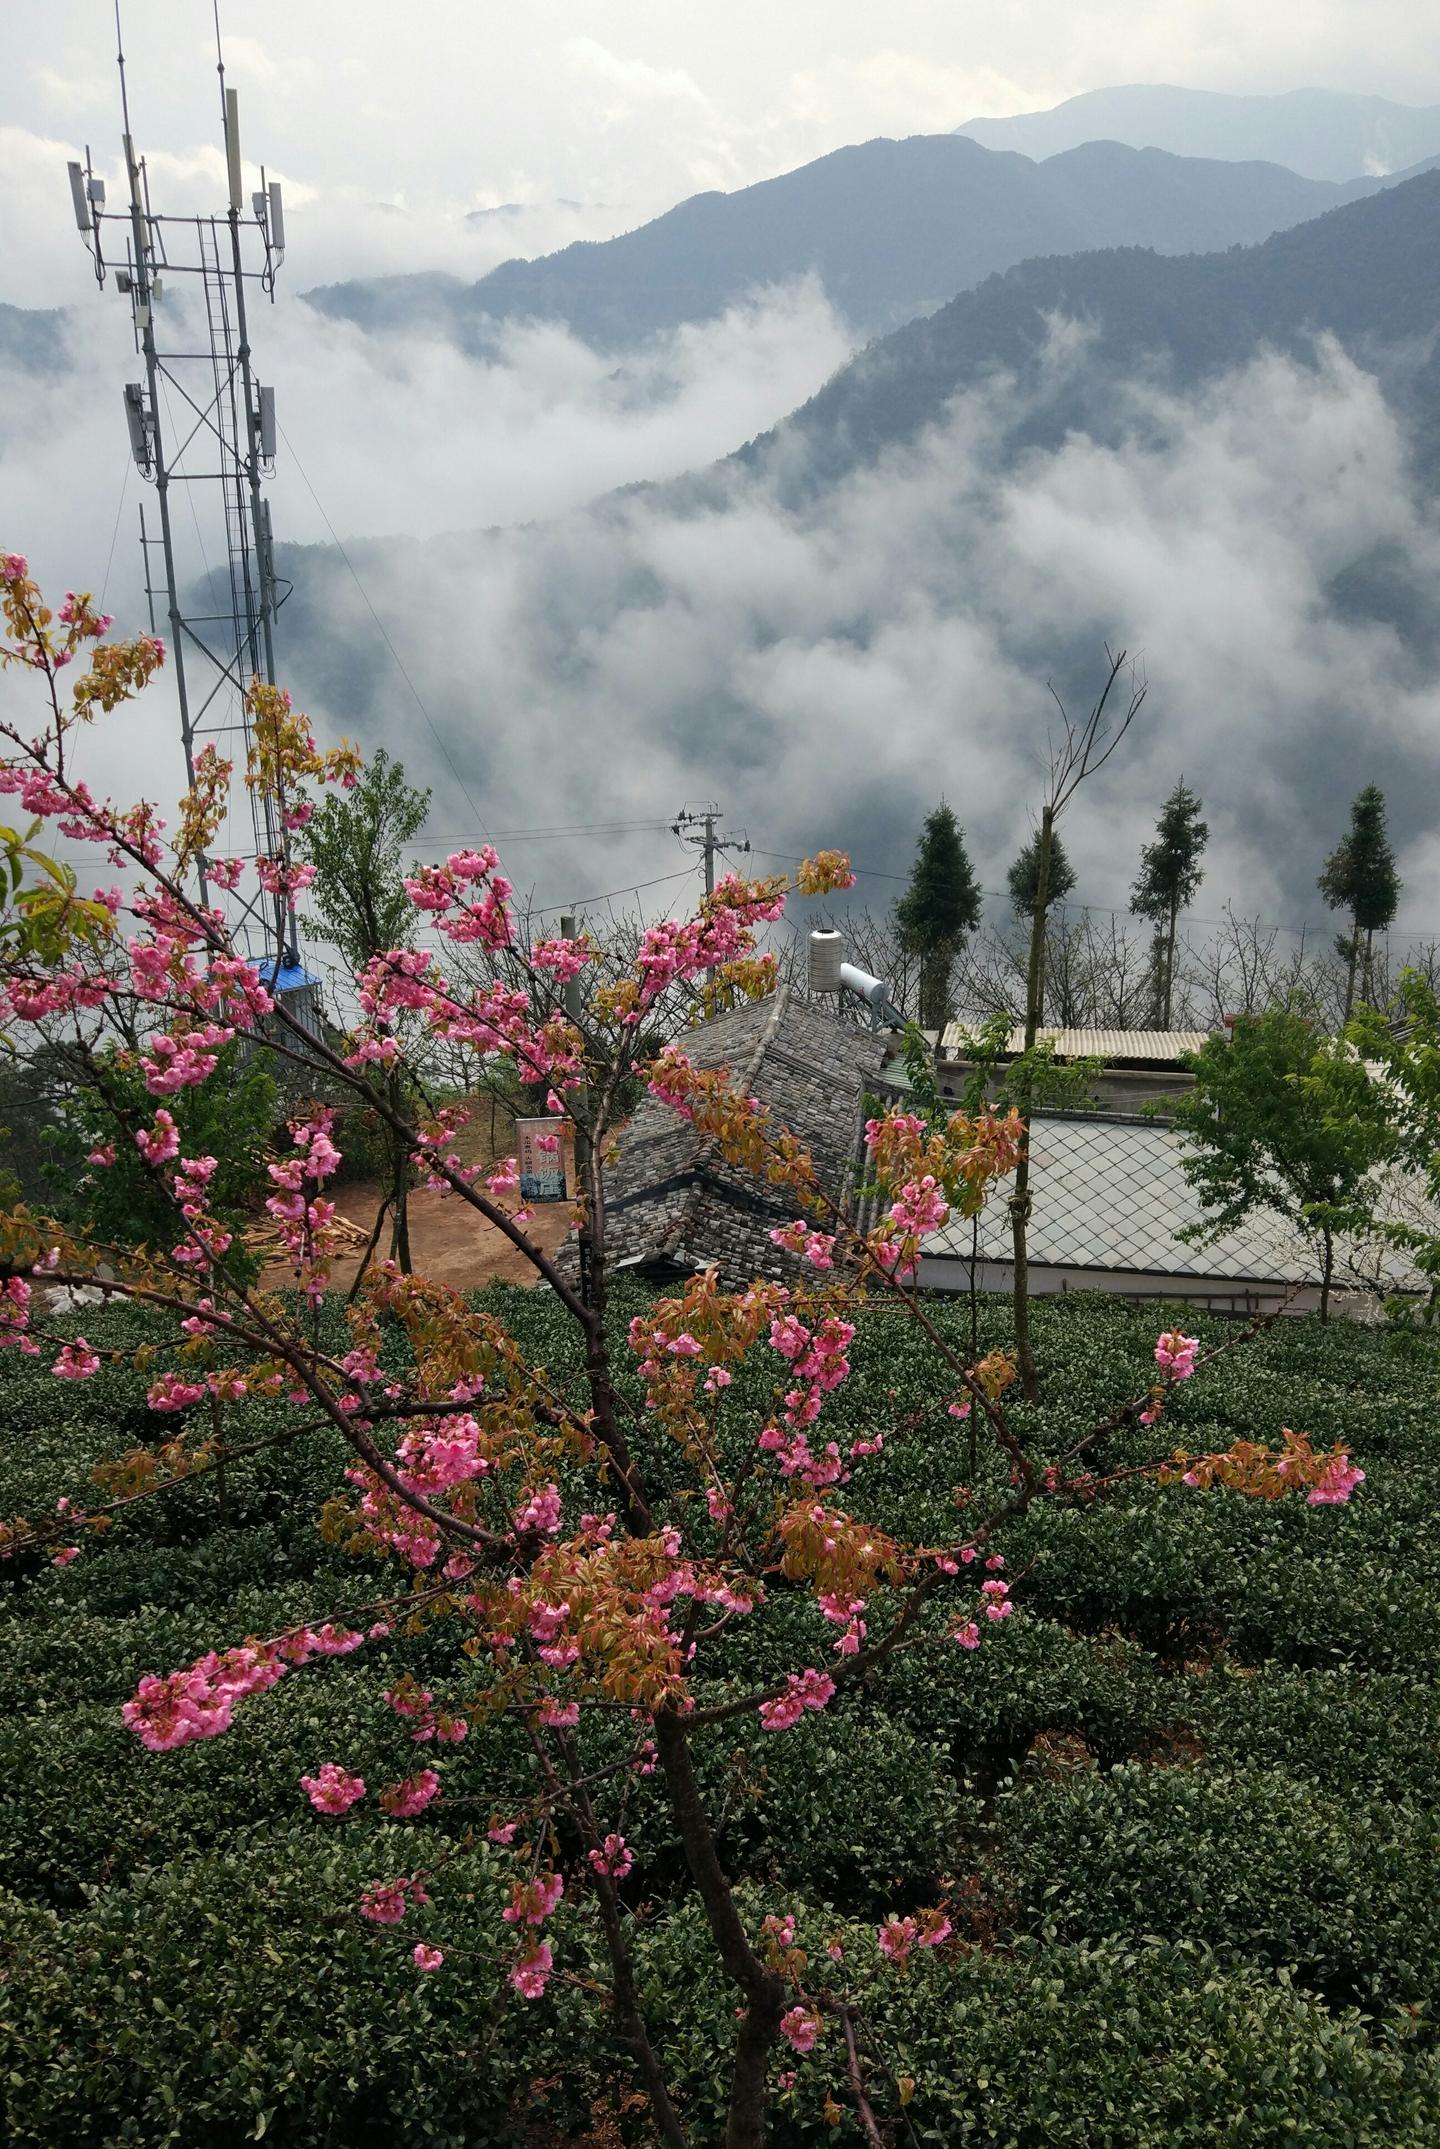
(872, 990)
(824, 973)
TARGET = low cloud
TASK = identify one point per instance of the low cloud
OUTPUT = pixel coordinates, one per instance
(826, 666)
(828, 671)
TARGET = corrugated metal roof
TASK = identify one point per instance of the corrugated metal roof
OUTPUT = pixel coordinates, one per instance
(1168, 1046)
(290, 978)
(1112, 1194)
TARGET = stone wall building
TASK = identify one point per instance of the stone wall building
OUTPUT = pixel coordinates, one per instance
(674, 1206)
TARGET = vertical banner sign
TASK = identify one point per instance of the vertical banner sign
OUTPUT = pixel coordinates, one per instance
(547, 1159)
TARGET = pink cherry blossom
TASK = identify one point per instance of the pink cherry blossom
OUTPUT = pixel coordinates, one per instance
(614, 1858)
(427, 1958)
(809, 1690)
(1175, 1354)
(384, 1902)
(532, 1973)
(76, 1361)
(1335, 1487)
(333, 1790)
(896, 1938)
(411, 1795)
(800, 2026)
(533, 1901)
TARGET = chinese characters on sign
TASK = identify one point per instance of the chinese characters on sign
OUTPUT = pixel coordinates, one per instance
(547, 1159)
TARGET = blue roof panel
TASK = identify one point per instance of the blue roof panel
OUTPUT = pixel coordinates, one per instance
(290, 978)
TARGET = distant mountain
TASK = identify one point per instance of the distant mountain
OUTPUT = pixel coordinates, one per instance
(891, 228)
(822, 626)
(32, 340)
(1321, 134)
(1367, 274)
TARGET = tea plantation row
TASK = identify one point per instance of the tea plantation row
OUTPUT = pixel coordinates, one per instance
(1187, 1800)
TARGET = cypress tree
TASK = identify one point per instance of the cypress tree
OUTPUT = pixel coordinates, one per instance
(1025, 873)
(1170, 874)
(1359, 876)
(940, 906)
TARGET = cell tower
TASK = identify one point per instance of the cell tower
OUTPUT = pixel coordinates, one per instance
(202, 431)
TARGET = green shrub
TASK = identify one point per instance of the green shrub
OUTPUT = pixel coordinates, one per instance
(1155, 2046)
(182, 1956)
(239, 1996)
(1251, 1864)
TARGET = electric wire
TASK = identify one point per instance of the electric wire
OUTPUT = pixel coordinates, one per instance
(115, 530)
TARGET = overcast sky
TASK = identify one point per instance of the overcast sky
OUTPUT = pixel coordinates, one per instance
(438, 107)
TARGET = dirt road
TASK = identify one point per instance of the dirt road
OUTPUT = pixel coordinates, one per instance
(448, 1242)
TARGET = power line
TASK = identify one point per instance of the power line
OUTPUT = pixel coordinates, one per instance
(578, 902)
(510, 835)
(792, 858)
(115, 528)
(544, 835)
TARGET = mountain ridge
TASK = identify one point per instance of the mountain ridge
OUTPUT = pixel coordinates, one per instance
(1320, 134)
(891, 227)
(1366, 273)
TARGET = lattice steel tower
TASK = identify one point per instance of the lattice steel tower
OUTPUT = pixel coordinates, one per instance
(202, 431)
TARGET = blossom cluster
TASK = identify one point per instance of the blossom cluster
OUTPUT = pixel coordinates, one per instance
(897, 1938)
(805, 1690)
(198, 1703)
(467, 896)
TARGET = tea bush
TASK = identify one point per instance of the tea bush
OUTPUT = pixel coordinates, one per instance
(1186, 1803)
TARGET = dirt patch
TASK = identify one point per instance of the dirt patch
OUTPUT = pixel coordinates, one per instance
(1175, 1748)
(449, 1242)
(1059, 1753)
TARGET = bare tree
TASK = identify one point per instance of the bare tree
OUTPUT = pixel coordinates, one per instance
(1078, 751)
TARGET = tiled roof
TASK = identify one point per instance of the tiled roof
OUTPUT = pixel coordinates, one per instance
(671, 1199)
(1168, 1047)
(1111, 1194)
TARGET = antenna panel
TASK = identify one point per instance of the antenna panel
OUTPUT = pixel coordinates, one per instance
(232, 152)
(83, 219)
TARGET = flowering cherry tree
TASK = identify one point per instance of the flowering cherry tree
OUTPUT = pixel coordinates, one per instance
(583, 1546)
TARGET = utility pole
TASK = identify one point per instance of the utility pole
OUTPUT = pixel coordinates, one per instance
(705, 819)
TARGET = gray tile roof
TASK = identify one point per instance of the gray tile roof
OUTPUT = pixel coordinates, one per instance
(1111, 1194)
(672, 1200)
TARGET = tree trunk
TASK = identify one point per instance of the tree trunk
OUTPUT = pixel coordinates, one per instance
(365, 1259)
(1365, 971)
(762, 1992)
(936, 967)
(1326, 1275)
(1170, 964)
(399, 1189)
(1020, 1198)
(1350, 973)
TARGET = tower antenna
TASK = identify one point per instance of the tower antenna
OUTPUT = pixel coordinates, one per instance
(203, 429)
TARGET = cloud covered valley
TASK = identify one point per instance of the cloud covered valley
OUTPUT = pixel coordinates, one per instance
(575, 636)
